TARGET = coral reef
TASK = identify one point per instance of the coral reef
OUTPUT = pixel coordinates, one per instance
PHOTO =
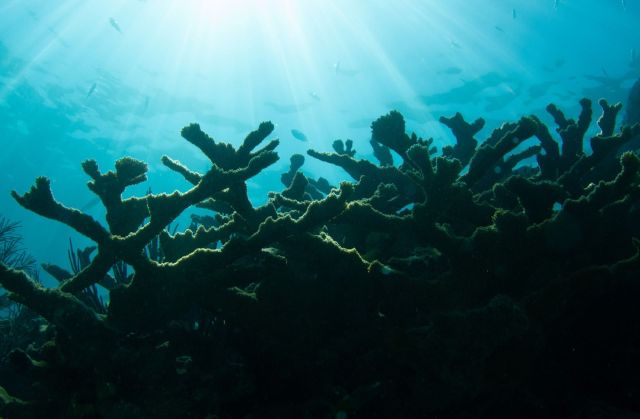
(19, 326)
(495, 278)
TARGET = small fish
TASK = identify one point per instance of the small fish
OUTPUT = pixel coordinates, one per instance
(91, 90)
(499, 29)
(624, 5)
(90, 204)
(455, 44)
(510, 90)
(604, 72)
(114, 24)
(314, 95)
(451, 70)
(556, 3)
(514, 14)
(298, 135)
(285, 108)
(633, 105)
(559, 63)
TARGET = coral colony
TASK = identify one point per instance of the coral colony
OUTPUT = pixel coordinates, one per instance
(458, 283)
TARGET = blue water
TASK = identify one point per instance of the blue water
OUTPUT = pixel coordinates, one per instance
(102, 79)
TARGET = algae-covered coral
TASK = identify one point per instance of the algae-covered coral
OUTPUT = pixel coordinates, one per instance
(457, 284)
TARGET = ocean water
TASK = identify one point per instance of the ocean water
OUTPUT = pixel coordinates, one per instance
(84, 79)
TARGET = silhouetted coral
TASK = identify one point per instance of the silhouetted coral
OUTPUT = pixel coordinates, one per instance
(465, 284)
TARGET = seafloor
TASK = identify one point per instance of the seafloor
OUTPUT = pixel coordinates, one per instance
(458, 284)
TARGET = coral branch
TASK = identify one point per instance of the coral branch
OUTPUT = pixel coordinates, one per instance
(176, 166)
(62, 309)
(388, 130)
(125, 216)
(488, 156)
(40, 200)
(464, 132)
(607, 121)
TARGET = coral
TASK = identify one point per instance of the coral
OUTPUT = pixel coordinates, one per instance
(487, 163)
(18, 324)
(346, 147)
(571, 132)
(607, 122)
(78, 260)
(381, 153)
(450, 285)
(389, 131)
(11, 405)
(465, 142)
(296, 160)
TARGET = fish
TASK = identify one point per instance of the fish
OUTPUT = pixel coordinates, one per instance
(556, 3)
(634, 58)
(455, 44)
(632, 114)
(624, 5)
(314, 95)
(285, 108)
(607, 86)
(298, 135)
(93, 202)
(499, 29)
(91, 90)
(495, 103)
(469, 92)
(114, 24)
(538, 90)
(451, 70)
(513, 13)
